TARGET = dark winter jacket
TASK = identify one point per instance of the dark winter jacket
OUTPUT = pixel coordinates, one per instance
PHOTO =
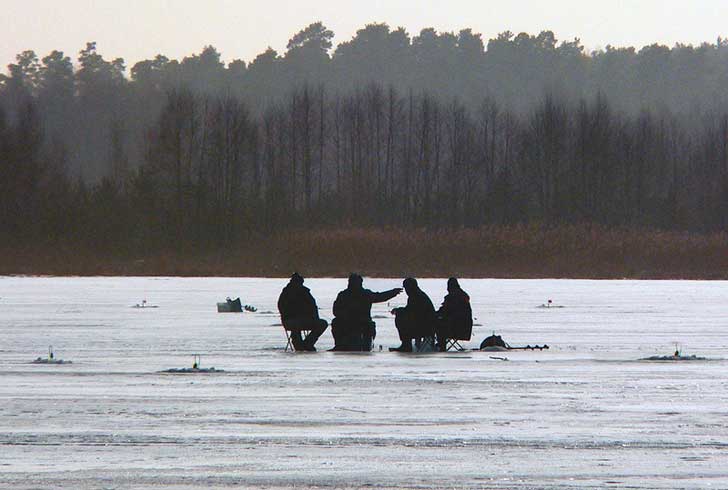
(457, 314)
(297, 302)
(419, 314)
(355, 305)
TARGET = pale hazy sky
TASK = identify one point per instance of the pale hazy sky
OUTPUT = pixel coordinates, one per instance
(139, 29)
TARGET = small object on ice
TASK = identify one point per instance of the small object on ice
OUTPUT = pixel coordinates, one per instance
(496, 343)
(144, 304)
(674, 358)
(196, 368)
(250, 308)
(498, 358)
(530, 347)
(40, 360)
(494, 348)
(677, 350)
(350, 410)
(549, 304)
(193, 370)
(51, 359)
(493, 342)
(230, 306)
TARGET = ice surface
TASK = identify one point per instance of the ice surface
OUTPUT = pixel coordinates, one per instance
(584, 414)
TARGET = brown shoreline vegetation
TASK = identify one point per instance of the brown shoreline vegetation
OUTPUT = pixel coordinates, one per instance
(519, 251)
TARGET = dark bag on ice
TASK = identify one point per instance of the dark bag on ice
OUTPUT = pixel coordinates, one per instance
(234, 305)
(493, 341)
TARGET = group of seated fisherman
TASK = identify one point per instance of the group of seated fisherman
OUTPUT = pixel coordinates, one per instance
(353, 328)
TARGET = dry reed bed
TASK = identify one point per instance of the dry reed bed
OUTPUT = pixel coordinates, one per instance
(574, 251)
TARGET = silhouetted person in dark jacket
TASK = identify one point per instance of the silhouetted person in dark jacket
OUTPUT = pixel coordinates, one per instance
(455, 315)
(299, 312)
(417, 319)
(352, 327)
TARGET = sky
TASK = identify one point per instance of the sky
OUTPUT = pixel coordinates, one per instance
(241, 29)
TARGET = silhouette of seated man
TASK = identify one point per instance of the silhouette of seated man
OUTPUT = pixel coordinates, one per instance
(352, 327)
(455, 316)
(417, 320)
(299, 312)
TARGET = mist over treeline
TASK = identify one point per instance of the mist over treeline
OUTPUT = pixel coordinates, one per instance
(387, 129)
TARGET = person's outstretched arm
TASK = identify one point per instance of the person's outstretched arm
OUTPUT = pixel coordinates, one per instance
(384, 295)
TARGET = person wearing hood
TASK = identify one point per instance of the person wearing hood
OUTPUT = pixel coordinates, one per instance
(352, 327)
(455, 316)
(299, 312)
(417, 319)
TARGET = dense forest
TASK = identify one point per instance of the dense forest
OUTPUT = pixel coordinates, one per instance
(439, 131)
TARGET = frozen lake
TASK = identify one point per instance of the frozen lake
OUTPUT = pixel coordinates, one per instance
(584, 414)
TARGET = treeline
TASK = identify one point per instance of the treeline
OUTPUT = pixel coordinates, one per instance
(214, 172)
(98, 103)
(433, 131)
